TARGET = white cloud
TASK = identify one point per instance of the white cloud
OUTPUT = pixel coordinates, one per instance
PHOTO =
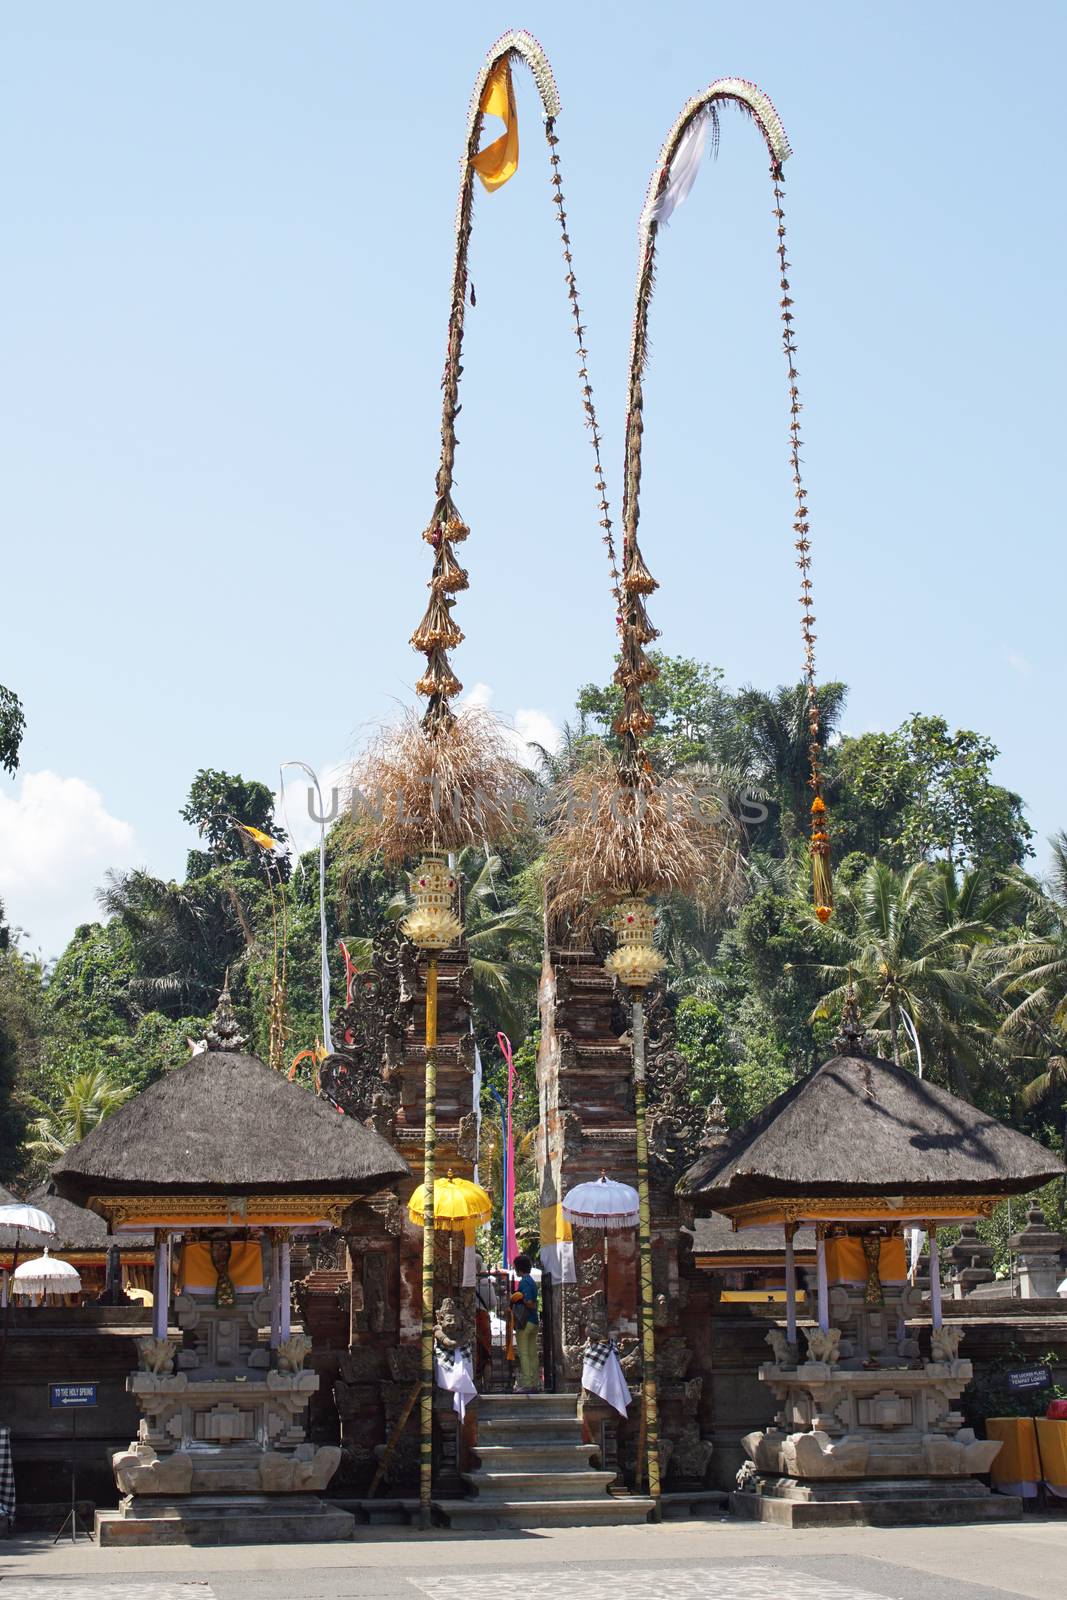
(57, 840)
(1018, 663)
(530, 726)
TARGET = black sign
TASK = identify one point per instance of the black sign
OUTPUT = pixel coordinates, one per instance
(1029, 1378)
(71, 1396)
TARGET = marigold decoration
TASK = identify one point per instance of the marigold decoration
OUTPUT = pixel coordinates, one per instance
(433, 924)
(635, 961)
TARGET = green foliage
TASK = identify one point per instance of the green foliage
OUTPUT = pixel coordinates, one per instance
(85, 1097)
(688, 701)
(217, 801)
(988, 1394)
(935, 918)
(12, 727)
(922, 792)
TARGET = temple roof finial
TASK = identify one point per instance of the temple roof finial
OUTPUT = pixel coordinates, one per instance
(851, 1038)
(224, 1033)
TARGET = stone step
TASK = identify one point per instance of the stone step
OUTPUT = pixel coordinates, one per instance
(540, 1408)
(603, 1511)
(519, 1432)
(536, 1455)
(224, 1519)
(583, 1484)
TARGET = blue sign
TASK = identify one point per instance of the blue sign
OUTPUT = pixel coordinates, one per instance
(1029, 1378)
(71, 1396)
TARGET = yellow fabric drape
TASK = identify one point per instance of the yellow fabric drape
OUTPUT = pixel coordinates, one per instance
(499, 161)
(555, 1229)
(1017, 1460)
(846, 1262)
(199, 1275)
(1052, 1443)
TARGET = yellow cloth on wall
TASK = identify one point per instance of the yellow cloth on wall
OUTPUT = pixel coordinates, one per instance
(199, 1275)
(1017, 1460)
(555, 1229)
(1052, 1444)
(499, 161)
(846, 1262)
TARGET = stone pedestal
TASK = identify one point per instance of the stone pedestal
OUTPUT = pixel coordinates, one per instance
(221, 1454)
(880, 1444)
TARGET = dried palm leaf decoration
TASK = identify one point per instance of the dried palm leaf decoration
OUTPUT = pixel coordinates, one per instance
(436, 783)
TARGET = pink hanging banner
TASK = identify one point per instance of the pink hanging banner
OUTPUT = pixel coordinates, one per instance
(511, 1245)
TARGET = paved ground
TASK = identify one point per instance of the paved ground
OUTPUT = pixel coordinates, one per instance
(710, 1560)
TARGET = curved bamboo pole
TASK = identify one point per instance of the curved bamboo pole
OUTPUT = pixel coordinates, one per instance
(635, 669)
(445, 523)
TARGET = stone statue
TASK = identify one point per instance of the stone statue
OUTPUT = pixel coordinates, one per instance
(293, 1352)
(824, 1346)
(156, 1356)
(945, 1343)
(785, 1354)
(448, 1329)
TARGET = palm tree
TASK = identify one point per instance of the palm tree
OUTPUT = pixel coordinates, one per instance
(85, 1098)
(907, 942)
(775, 735)
(184, 936)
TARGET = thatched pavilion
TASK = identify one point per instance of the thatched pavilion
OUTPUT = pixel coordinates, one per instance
(864, 1151)
(226, 1161)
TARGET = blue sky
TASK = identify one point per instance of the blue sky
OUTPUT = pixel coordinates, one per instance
(226, 236)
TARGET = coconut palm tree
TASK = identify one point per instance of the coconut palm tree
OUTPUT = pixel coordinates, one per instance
(907, 943)
(85, 1098)
(776, 745)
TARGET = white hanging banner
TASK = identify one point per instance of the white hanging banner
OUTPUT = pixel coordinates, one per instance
(683, 170)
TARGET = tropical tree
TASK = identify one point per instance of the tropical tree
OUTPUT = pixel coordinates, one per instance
(85, 1098)
(772, 741)
(12, 726)
(904, 942)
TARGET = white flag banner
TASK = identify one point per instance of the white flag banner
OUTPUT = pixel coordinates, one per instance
(683, 170)
(602, 1375)
(454, 1372)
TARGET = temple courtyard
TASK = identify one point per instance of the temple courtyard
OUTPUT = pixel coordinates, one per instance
(715, 1560)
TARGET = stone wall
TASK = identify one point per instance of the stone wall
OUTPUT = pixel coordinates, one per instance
(54, 1345)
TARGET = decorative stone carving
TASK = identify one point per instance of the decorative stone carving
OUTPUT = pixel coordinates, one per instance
(824, 1346)
(945, 1343)
(139, 1470)
(467, 1137)
(156, 1355)
(785, 1354)
(293, 1352)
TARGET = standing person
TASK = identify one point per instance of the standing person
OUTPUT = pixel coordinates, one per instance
(524, 1318)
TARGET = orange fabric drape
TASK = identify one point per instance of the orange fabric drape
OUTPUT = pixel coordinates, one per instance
(198, 1274)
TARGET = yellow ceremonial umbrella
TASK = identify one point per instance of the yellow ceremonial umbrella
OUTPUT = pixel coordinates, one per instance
(457, 1204)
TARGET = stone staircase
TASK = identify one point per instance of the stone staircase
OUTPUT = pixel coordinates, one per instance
(534, 1470)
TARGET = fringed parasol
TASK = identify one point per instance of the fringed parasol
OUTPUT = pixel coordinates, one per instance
(457, 1204)
(45, 1275)
(24, 1216)
(604, 1205)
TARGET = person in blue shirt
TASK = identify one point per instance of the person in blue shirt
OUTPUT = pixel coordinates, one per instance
(524, 1317)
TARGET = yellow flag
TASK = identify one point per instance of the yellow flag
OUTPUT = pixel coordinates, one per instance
(499, 161)
(257, 835)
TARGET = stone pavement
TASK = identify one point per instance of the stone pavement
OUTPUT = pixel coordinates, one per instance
(714, 1560)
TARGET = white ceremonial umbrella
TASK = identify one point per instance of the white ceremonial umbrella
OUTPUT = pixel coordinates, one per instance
(604, 1205)
(45, 1275)
(23, 1216)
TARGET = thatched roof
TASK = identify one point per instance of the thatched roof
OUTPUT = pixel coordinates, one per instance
(223, 1123)
(861, 1126)
(77, 1229)
(715, 1235)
